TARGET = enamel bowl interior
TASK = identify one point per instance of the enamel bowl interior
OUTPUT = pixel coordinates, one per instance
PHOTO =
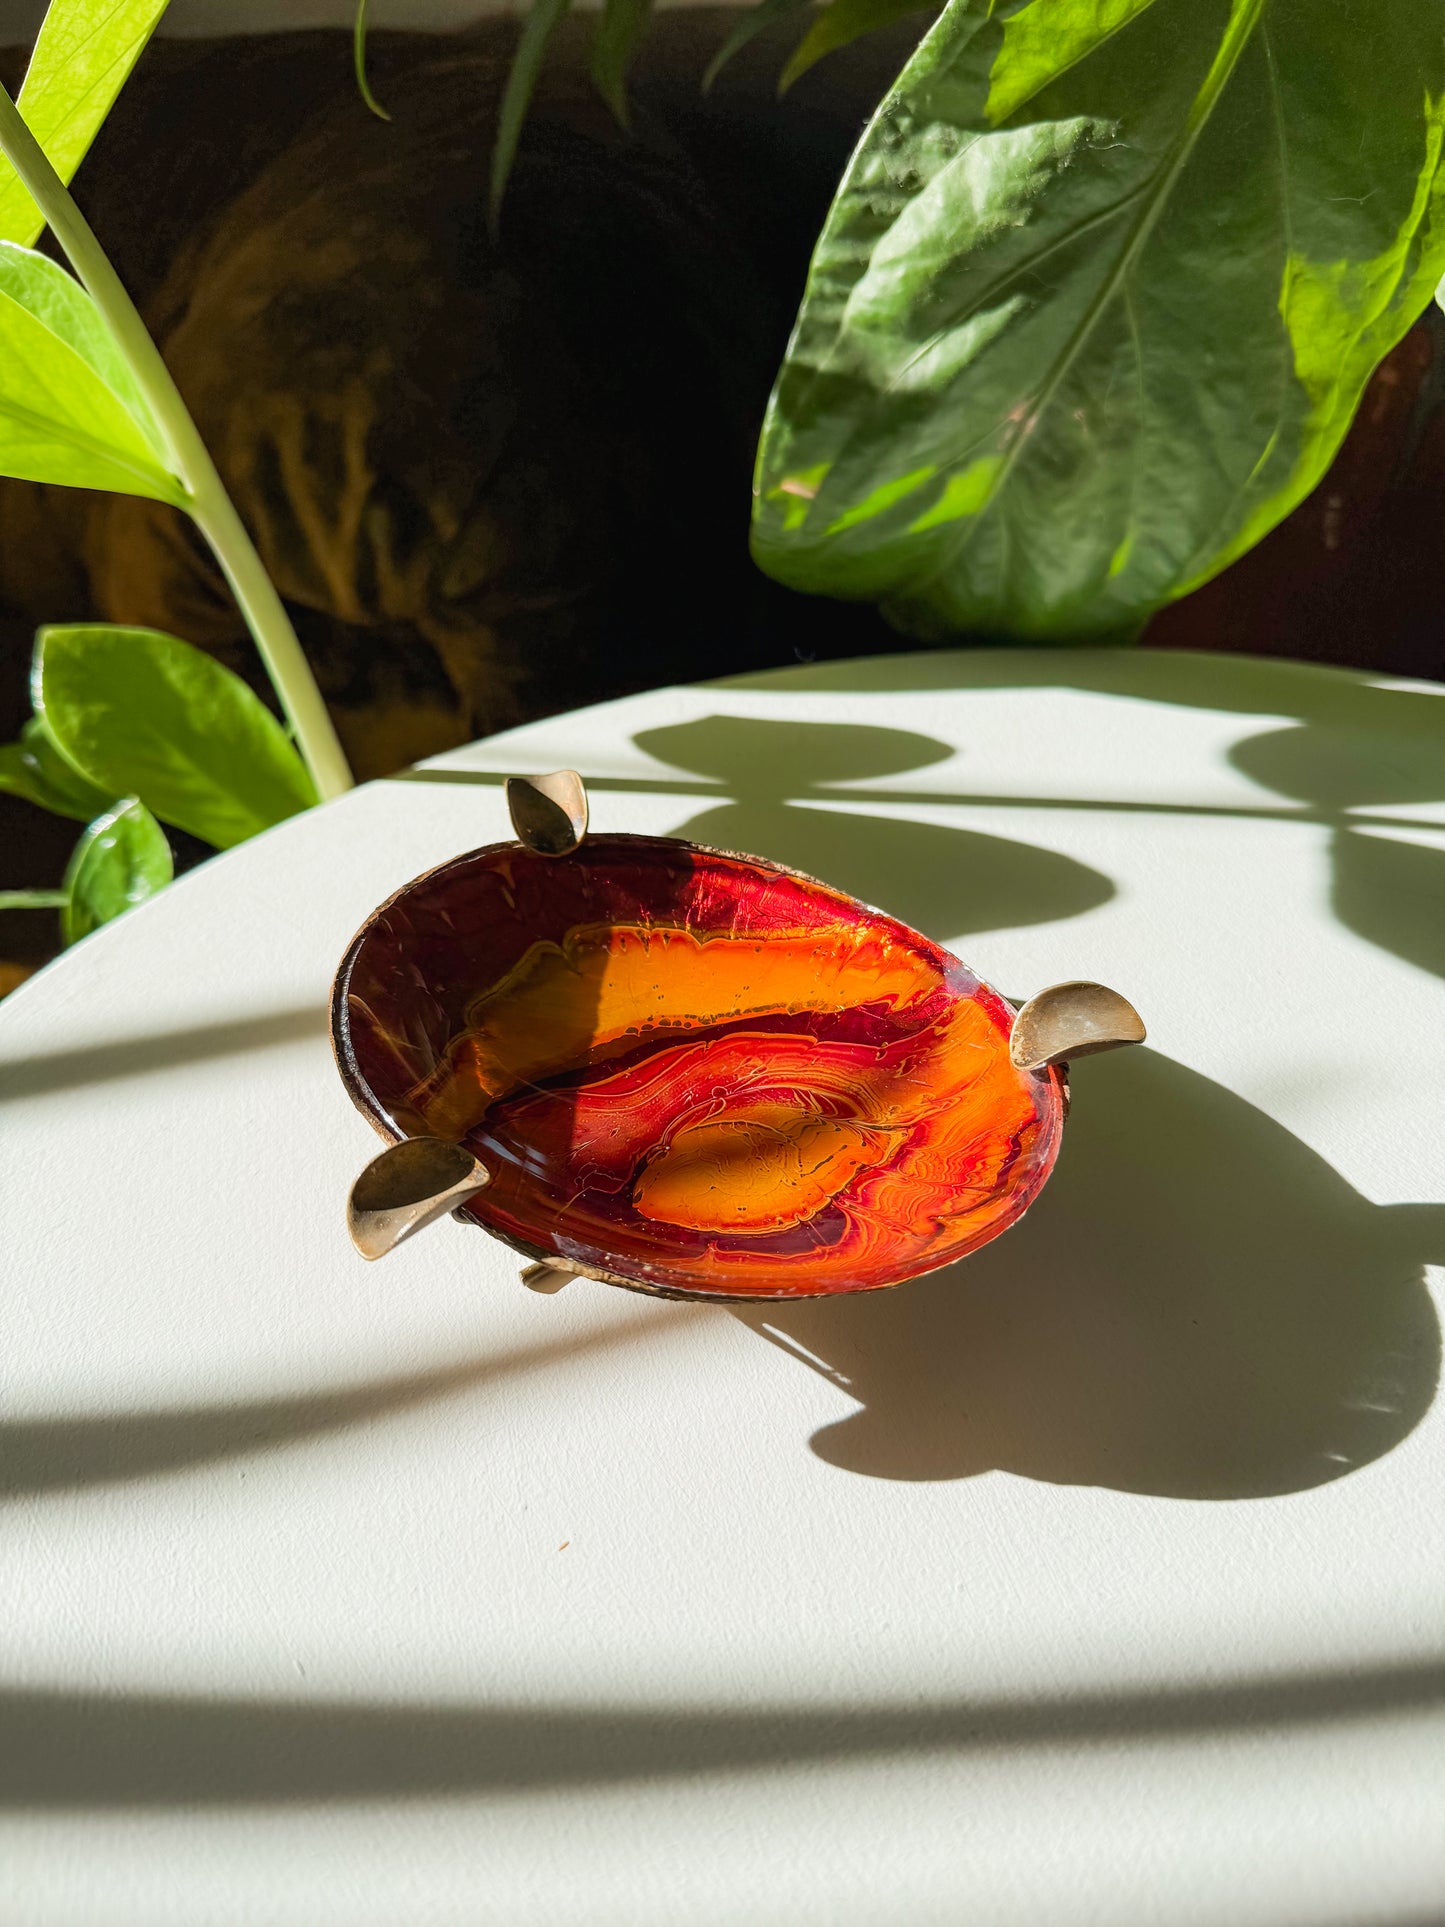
(695, 1072)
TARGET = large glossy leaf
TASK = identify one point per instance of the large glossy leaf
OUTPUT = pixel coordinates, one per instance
(122, 859)
(82, 55)
(70, 411)
(35, 769)
(1096, 301)
(146, 715)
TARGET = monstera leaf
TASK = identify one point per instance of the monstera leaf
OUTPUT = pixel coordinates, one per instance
(1096, 301)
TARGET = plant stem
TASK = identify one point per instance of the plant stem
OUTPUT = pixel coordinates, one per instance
(33, 899)
(209, 504)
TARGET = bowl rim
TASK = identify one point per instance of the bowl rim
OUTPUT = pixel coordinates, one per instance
(365, 1100)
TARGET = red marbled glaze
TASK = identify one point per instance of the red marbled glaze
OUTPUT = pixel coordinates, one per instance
(696, 1071)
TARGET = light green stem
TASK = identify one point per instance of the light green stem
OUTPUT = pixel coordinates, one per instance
(358, 55)
(33, 899)
(209, 504)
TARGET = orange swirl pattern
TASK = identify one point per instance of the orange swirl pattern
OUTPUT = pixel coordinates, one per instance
(700, 1073)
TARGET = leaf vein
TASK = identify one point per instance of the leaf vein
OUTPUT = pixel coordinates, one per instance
(1163, 182)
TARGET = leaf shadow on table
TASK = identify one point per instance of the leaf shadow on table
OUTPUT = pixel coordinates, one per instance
(1388, 889)
(97, 1751)
(79, 1452)
(1355, 746)
(1392, 893)
(943, 881)
(1242, 685)
(1197, 1307)
(52, 1071)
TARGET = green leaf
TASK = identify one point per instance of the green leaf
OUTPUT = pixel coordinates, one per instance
(358, 57)
(755, 21)
(1096, 302)
(57, 301)
(122, 859)
(149, 716)
(542, 17)
(70, 790)
(620, 32)
(70, 411)
(83, 53)
(840, 24)
(35, 769)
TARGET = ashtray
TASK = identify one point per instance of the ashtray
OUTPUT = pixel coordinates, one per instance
(691, 1072)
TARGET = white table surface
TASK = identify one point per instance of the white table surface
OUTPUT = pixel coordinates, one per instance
(1098, 1580)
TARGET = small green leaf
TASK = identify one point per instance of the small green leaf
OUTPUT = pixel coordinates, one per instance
(71, 789)
(358, 56)
(83, 53)
(619, 34)
(35, 769)
(755, 21)
(70, 411)
(149, 716)
(18, 778)
(839, 25)
(122, 859)
(542, 17)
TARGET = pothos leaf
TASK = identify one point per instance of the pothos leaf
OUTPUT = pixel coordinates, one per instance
(619, 34)
(16, 778)
(145, 714)
(122, 859)
(35, 769)
(82, 55)
(838, 25)
(542, 18)
(1096, 301)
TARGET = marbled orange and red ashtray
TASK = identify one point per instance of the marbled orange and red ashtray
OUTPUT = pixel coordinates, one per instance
(693, 1072)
